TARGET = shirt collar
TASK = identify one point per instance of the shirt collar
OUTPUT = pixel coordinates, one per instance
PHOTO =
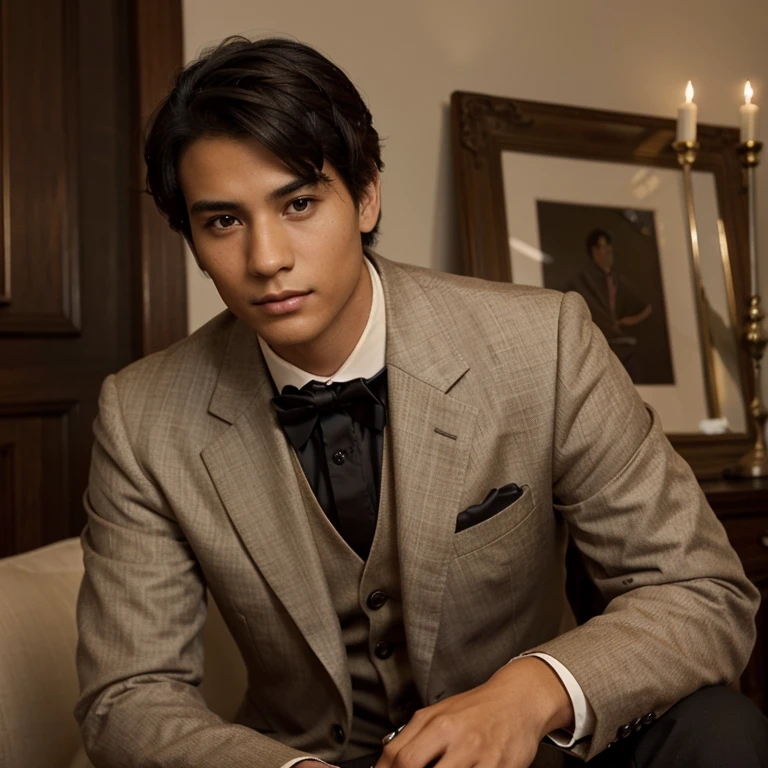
(366, 359)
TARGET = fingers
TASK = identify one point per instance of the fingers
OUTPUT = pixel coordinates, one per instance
(465, 731)
(460, 756)
(409, 746)
(430, 739)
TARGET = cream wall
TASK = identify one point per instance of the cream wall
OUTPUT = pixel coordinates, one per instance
(407, 56)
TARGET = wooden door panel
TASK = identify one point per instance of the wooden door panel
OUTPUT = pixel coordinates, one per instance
(40, 180)
(74, 276)
(35, 462)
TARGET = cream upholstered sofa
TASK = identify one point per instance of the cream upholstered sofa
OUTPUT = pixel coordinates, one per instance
(38, 682)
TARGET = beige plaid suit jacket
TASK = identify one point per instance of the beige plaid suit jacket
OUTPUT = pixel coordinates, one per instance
(193, 485)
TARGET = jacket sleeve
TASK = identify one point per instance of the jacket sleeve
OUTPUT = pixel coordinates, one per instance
(140, 614)
(680, 611)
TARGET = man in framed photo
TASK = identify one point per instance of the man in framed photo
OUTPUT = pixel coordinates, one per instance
(615, 307)
(373, 468)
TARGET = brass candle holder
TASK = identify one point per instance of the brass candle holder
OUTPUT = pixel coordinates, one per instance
(686, 155)
(755, 463)
(686, 152)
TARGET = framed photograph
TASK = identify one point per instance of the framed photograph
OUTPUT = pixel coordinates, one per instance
(577, 199)
(611, 257)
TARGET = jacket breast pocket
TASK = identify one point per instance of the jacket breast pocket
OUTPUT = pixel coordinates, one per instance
(496, 527)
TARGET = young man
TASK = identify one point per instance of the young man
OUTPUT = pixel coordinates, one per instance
(615, 308)
(373, 468)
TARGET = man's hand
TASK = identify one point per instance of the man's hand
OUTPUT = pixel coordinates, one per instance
(499, 723)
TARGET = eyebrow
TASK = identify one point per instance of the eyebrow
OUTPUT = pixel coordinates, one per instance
(211, 206)
(290, 188)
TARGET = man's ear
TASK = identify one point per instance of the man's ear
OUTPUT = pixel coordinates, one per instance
(370, 205)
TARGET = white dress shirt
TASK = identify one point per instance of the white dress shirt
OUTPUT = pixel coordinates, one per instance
(365, 361)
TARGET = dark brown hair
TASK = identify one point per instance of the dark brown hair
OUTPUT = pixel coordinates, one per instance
(593, 239)
(286, 95)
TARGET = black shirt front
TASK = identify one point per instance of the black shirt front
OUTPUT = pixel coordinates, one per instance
(342, 461)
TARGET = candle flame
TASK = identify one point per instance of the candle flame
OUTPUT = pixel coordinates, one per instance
(689, 92)
(748, 93)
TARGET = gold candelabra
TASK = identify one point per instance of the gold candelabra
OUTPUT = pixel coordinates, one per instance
(754, 463)
(686, 155)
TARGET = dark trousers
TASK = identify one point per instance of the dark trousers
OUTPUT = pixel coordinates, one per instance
(713, 728)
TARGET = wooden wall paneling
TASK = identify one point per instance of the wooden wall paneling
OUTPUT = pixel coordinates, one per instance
(5, 200)
(39, 152)
(156, 55)
(34, 474)
(7, 502)
(69, 93)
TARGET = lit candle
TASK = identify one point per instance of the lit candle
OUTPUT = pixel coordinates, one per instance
(749, 115)
(686, 117)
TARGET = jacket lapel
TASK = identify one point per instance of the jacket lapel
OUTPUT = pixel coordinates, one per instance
(250, 465)
(431, 434)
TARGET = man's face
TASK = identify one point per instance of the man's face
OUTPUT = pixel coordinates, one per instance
(602, 253)
(259, 232)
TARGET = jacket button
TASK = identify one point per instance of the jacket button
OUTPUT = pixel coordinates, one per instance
(338, 733)
(383, 649)
(377, 599)
(624, 731)
(339, 458)
(649, 718)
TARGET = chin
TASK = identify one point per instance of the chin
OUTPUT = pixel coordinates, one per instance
(287, 336)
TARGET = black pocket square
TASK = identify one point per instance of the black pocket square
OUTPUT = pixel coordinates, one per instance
(496, 500)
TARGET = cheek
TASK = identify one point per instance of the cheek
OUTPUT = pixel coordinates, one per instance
(339, 222)
(220, 257)
(225, 275)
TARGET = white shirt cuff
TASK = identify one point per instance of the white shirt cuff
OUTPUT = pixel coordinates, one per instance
(583, 714)
(299, 759)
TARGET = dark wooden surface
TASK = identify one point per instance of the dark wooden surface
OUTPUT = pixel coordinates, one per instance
(742, 506)
(76, 295)
(40, 169)
(155, 55)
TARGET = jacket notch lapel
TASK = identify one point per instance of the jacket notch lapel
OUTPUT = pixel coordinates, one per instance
(431, 438)
(431, 434)
(251, 467)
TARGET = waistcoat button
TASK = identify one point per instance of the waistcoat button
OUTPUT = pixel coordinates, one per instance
(338, 733)
(383, 649)
(377, 599)
(339, 457)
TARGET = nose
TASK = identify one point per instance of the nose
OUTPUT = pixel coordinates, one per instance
(268, 249)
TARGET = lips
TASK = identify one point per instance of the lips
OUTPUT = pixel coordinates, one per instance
(277, 297)
(282, 303)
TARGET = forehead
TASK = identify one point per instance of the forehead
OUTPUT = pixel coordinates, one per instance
(217, 164)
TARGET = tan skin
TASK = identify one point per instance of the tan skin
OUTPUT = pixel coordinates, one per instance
(253, 237)
(253, 240)
(602, 254)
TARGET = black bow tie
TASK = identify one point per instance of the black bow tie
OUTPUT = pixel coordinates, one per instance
(299, 409)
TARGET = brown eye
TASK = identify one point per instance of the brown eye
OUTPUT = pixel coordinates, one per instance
(221, 222)
(300, 204)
